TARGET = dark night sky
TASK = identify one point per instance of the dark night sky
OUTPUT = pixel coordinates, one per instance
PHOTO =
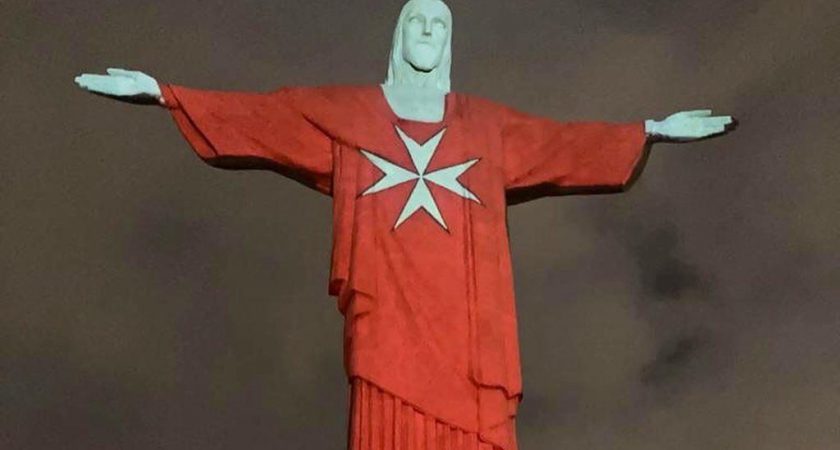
(149, 301)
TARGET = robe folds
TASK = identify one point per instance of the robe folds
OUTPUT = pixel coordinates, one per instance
(420, 263)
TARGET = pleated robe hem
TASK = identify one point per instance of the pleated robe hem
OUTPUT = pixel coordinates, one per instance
(380, 420)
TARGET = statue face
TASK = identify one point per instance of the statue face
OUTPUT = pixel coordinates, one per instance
(425, 34)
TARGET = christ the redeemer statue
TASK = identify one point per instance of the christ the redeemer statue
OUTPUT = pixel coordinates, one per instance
(420, 179)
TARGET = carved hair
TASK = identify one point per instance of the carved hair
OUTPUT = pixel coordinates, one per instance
(401, 72)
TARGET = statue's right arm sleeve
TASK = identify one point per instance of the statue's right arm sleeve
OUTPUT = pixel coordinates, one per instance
(239, 130)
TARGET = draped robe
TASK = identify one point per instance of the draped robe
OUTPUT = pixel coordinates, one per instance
(426, 291)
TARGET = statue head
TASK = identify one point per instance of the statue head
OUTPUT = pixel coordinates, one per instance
(421, 53)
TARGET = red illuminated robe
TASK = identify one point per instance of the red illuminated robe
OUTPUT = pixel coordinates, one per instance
(421, 264)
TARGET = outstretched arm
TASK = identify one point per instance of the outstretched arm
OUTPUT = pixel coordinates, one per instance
(543, 157)
(234, 130)
(125, 85)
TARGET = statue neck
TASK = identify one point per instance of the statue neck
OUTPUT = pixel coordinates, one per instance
(422, 104)
(417, 79)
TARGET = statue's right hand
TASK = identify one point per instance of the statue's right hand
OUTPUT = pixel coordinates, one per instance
(120, 84)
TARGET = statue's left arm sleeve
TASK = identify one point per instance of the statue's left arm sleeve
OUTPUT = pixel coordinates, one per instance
(544, 157)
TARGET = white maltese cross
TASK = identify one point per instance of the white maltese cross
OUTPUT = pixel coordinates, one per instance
(421, 196)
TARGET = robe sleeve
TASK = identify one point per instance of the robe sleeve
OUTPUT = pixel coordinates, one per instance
(238, 130)
(543, 157)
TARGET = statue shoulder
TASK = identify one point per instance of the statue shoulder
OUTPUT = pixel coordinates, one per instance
(478, 106)
(333, 93)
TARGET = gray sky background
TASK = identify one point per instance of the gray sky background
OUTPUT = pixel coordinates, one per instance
(149, 301)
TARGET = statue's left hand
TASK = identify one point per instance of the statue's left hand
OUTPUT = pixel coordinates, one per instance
(689, 126)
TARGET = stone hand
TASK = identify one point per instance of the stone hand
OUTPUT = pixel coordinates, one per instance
(689, 126)
(125, 85)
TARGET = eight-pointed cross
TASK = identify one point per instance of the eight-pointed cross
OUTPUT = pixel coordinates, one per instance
(420, 197)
